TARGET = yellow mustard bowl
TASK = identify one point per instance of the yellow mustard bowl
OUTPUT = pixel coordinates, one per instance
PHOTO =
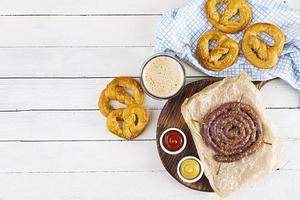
(190, 169)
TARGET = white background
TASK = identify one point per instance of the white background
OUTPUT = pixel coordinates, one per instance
(55, 58)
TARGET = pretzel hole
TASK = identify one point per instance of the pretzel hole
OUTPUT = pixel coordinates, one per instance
(268, 39)
(115, 104)
(236, 17)
(220, 7)
(212, 44)
(256, 53)
(128, 91)
(223, 56)
(136, 120)
(120, 122)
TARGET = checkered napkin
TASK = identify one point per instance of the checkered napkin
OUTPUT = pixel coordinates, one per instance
(180, 29)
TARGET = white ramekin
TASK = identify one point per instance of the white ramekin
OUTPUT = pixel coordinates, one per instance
(162, 144)
(190, 180)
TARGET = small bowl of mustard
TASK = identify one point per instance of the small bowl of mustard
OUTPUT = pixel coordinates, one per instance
(190, 169)
(162, 76)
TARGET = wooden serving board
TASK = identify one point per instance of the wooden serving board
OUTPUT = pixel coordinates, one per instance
(170, 117)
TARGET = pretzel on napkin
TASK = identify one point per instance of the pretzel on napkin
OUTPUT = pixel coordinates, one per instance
(222, 56)
(225, 21)
(257, 51)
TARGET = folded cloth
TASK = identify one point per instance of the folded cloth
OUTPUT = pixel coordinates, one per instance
(180, 29)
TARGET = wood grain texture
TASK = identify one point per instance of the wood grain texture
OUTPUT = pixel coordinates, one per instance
(123, 185)
(171, 117)
(84, 93)
(101, 156)
(87, 125)
(90, 7)
(94, 7)
(55, 57)
(82, 62)
(77, 31)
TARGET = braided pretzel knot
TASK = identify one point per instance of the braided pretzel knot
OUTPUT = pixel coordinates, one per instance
(225, 20)
(115, 91)
(134, 117)
(258, 52)
(222, 56)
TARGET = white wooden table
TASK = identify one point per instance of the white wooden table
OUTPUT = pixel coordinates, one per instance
(55, 58)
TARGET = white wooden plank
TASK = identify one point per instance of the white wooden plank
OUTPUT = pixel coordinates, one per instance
(293, 3)
(143, 185)
(84, 93)
(290, 151)
(90, 125)
(89, 170)
(100, 156)
(79, 156)
(9, 7)
(78, 31)
(86, 125)
(88, 7)
(285, 122)
(55, 93)
(76, 62)
(65, 31)
(278, 93)
(275, 186)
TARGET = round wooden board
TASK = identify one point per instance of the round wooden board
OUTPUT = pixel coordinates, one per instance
(170, 117)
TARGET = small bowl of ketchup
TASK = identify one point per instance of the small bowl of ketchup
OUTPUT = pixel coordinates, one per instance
(172, 141)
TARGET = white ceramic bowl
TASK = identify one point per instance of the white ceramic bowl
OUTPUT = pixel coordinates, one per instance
(190, 180)
(162, 144)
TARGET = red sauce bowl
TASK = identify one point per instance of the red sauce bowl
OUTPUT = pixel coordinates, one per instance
(173, 141)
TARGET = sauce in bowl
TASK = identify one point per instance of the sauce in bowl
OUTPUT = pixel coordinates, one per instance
(190, 169)
(163, 76)
(173, 141)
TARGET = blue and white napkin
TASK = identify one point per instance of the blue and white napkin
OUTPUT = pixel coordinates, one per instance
(180, 29)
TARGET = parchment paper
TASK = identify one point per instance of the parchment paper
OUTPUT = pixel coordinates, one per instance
(226, 178)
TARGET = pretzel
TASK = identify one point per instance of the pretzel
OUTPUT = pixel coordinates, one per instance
(115, 91)
(224, 21)
(103, 104)
(222, 56)
(134, 117)
(257, 51)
